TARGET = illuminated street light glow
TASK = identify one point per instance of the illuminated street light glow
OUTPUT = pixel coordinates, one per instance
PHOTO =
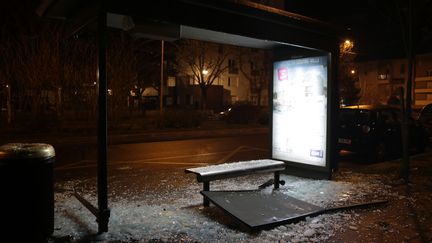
(353, 71)
(205, 71)
(347, 46)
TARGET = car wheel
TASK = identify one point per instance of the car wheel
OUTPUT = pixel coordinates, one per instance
(380, 152)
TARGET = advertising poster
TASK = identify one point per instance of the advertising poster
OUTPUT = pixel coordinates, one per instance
(300, 110)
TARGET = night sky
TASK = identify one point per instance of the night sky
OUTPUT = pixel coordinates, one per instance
(375, 26)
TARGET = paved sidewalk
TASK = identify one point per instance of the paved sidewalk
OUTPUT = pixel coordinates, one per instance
(148, 205)
(408, 215)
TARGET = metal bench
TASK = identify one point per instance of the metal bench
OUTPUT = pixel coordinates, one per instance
(236, 169)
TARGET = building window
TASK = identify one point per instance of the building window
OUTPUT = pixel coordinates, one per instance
(234, 99)
(421, 85)
(421, 96)
(232, 66)
(171, 81)
(229, 81)
(254, 99)
(382, 76)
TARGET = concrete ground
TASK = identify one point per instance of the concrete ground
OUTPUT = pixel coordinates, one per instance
(407, 217)
(164, 205)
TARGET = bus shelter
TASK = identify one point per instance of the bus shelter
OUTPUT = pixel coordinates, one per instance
(303, 95)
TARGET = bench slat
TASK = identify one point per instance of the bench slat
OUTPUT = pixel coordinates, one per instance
(228, 170)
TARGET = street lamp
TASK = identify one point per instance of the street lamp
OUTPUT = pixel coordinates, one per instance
(205, 71)
(347, 46)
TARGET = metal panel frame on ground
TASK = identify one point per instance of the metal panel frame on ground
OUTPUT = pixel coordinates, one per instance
(259, 210)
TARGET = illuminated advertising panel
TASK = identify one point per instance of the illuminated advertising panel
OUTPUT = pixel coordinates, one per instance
(300, 110)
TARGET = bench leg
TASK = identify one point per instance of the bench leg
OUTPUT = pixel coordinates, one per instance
(276, 179)
(206, 187)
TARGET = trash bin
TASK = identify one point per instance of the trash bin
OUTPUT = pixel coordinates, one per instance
(27, 191)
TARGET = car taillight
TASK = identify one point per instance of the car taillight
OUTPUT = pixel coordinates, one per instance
(366, 128)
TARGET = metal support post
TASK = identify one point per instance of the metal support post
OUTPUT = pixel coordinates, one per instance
(276, 179)
(206, 187)
(102, 184)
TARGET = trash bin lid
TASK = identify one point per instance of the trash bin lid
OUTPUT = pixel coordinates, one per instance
(15, 151)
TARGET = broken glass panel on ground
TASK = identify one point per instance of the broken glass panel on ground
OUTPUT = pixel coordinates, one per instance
(259, 210)
(172, 210)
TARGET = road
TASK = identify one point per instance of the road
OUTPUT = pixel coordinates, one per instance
(80, 160)
(153, 172)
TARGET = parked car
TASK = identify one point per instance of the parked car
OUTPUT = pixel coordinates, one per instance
(425, 118)
(245, 113)
(376, 131)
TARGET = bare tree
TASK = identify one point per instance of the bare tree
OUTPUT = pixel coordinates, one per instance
(149, 58)
(7, 63)
(79, 83)
(122, 71)
(80, 73)
(46, 71)
(349, 92)
(31, 63)
(255, 65)
(203, 61)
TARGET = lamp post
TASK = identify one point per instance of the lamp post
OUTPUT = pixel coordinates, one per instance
(8, 103)
(161, 77)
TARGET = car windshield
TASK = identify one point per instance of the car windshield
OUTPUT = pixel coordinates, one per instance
(354, 116)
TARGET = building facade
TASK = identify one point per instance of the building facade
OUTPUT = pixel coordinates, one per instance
(245, 78)
(379, 80)
(423, 80)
